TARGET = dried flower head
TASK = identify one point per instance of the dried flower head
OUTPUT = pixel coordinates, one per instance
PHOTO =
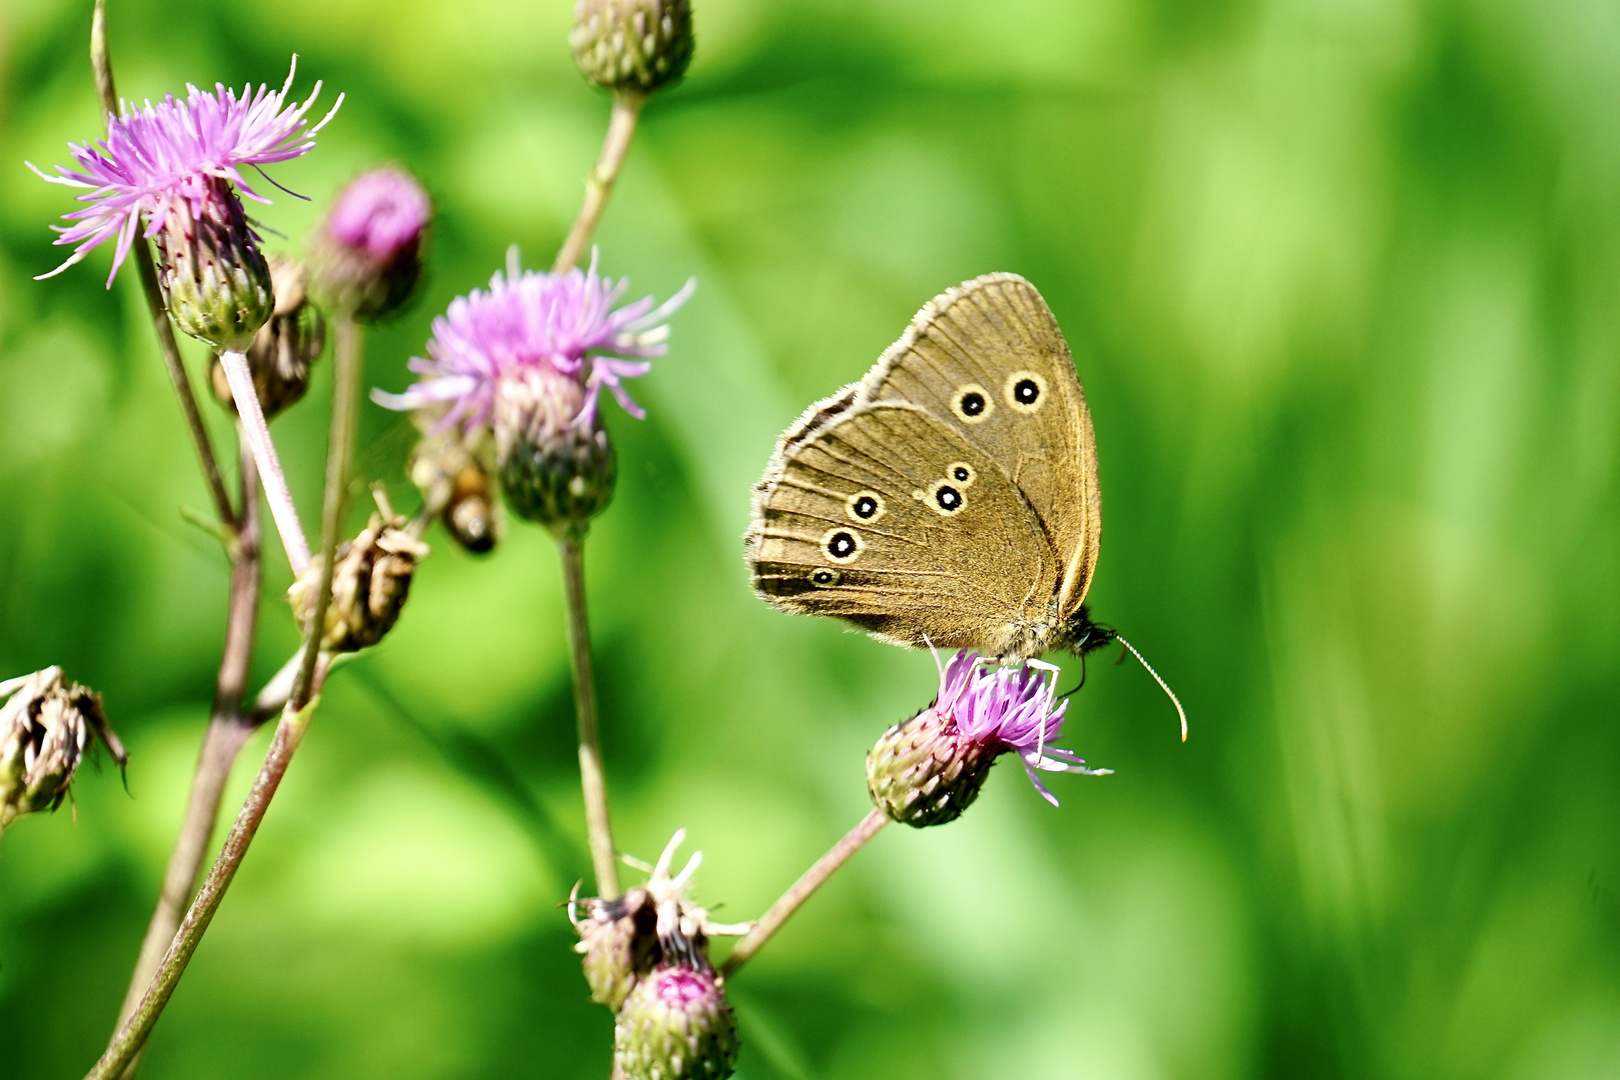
(46, 726)
(371, 580)
(676, 1025)
(366, 257)
(635, 45)
(624, 938)
(453, 471)
(284, 349)
(928, 770)
(172, 159)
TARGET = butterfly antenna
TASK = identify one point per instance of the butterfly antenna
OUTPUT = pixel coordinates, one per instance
(1162, 684)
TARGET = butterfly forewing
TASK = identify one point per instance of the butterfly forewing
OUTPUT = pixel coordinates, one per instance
(886, 517)
(988, 360)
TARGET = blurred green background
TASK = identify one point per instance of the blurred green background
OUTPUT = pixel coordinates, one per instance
(1341, 278)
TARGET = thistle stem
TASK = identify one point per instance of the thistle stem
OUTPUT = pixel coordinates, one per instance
(604, 860)
(257, 433)
(802, 890)
(295, 717)
(599, 185)
(133, 1034)
(141, 253)
(228, 731)
(346, 369)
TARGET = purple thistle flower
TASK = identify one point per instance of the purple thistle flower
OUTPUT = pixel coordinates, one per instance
(533, 326)
(174, 153)
(1009, 710)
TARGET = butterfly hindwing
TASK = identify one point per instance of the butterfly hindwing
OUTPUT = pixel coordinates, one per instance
(884, 515)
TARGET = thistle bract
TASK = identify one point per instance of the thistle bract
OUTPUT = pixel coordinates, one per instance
(676, 1025)
(554, 471)
(284, 349)
(637, 45)
(366, 257)
(928, 770)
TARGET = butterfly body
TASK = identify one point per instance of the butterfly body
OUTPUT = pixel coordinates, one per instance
(949, 498)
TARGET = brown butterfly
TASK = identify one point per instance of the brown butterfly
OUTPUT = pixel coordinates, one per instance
(950, 498)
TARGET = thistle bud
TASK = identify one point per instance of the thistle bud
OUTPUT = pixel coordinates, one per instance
(216, 283)
(637, 45)
(45, 728)
(676, 1025)
(284, 348)
(928, 770)
(923, 772)
(451, 470)
(557, 466)
(370, 582)
(366, 257)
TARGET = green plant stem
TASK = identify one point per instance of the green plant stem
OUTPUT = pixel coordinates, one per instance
(294, 724)
(133, 1034)
(346, 371)
(228, 731)
(599, 185)
(604, 859)
(141, 254)
(802, 890)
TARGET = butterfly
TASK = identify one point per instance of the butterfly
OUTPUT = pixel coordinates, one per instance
(950, 498)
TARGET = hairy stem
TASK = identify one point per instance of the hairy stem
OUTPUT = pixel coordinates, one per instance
(257, 433)
(228, 731)
(599, 185)
(604, 860)
(295, 717)
(141, 254)
(802, 889)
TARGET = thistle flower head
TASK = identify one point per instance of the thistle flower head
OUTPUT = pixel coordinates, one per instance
(534, 323)
(367, 254)
(928, 770)
(1009, 710)
(175, 157)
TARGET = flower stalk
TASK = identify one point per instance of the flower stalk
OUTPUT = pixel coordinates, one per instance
(604, 860)
(290, 731)
(803, 889)
(256, 432)
(229, 728)
(599, 185)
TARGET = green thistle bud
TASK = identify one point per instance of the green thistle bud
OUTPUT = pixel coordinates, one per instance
(557, 465)
(370, 583)
(636, 45)
(284, 349)
(923, 772)
(45, 728)
(215, 280)
(676, 1025)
